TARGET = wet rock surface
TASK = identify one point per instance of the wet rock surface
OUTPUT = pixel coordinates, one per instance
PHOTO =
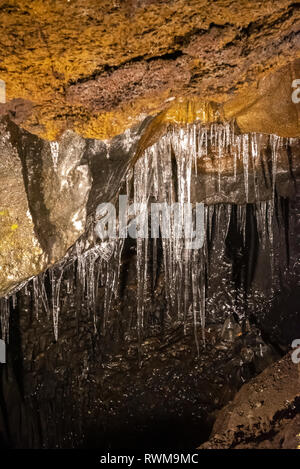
(45, 190)
(264, 414)
(86, 391)
(21, 254)
(119, 338)
(108, 390)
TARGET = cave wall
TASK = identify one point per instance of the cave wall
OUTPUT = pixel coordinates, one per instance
(93, 90)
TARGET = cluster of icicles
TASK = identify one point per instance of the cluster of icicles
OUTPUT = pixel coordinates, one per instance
(153, 178)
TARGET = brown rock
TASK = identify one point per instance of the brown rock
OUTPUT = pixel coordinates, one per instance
(95, 67)
(266, 405)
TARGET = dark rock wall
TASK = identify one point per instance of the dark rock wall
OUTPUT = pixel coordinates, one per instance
(107, 390)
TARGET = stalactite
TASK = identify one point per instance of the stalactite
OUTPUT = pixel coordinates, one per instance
(54, 149)
(166, 173)
(261, 220)
(36, 296)
(186, 145)
(56, 280)
(4, 317)
(246, 164)
(181, 265)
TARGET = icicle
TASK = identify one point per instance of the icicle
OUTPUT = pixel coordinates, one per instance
(91, 303)
(241, 220)
(186, 283)
(270, 215)
(228, 218)
(218, 219)
(254, 159)
(81, 268)
(39, 295)
(261, 220)
(196, 305)
(14, 300)
(54, 148)
(275, 142)
(154, 177)
(36, 295)
(4, 317)
(220, 154)
(211, 211)
(118, 257)
(55, 279)
(203, 297)
(43, 294)
(154, 262)
(68, 284)
(113, 274)
(141, 195)
(107, 297)
(245, 143)
(235, 164)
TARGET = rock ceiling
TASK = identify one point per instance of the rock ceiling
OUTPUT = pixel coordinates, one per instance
(96, 67)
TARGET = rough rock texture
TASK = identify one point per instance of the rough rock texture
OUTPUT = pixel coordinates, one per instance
(96, 66)
(43, 199)
(264, 413)
(268, 107)
(21, 254)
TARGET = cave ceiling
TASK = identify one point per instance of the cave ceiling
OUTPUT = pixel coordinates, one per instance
(99, 67)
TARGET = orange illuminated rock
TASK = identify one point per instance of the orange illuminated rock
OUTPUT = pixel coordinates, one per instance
(97, 67)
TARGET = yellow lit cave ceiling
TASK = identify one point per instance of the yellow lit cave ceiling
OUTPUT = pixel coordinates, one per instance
(98, 67)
